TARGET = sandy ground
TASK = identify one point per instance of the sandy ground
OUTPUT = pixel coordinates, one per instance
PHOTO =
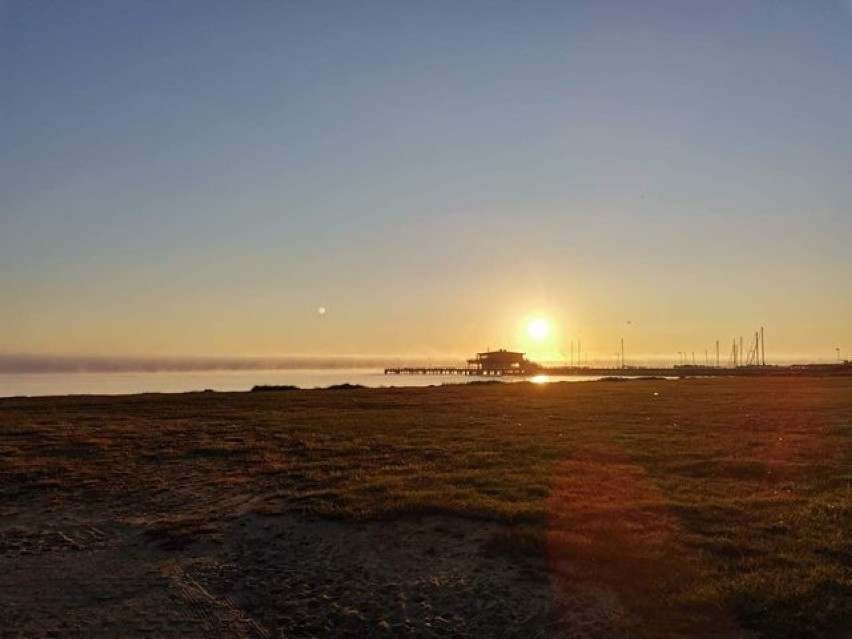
(77, 574)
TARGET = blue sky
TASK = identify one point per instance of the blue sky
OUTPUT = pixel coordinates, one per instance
(200, 177)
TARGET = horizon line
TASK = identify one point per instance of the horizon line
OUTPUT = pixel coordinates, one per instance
(12, 363)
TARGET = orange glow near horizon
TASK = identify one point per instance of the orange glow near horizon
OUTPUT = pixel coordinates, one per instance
(539, 336)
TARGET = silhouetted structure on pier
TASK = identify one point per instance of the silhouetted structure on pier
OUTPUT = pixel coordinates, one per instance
(501, 362)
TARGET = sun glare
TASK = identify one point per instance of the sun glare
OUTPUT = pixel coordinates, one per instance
(538, 329)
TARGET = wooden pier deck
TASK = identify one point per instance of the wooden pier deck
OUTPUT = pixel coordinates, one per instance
(456, 370)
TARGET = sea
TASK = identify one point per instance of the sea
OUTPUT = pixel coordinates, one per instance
(126, 383)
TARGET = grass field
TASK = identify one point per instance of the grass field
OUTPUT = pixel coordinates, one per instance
(707, 507)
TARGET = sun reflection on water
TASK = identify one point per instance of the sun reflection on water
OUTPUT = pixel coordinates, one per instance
(540, 379)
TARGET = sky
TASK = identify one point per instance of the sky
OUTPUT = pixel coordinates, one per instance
(199, 178)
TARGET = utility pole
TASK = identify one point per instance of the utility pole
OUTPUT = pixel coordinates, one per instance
(622, 352)
(756, 348)
(572, 353)
(717, 353)
(762, 348)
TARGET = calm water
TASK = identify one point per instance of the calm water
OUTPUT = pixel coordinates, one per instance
(32, 384)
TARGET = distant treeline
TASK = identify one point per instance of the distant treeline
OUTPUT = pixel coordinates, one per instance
(272, 388)
(269, 388)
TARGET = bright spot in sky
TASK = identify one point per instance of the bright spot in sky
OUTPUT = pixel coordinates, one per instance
(321, 310)
(538, 329)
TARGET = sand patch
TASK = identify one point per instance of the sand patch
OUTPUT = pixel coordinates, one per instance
(281, 576)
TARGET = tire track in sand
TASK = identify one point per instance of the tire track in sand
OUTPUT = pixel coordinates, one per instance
(221, 613)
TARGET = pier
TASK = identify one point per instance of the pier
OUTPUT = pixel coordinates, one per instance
(454, 370)
(488, 364)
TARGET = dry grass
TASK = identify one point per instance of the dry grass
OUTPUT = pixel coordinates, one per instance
(720, 502)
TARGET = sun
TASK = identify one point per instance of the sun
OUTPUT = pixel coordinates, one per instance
(538, 329)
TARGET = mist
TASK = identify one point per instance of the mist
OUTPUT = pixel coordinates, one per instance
(129, 364)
